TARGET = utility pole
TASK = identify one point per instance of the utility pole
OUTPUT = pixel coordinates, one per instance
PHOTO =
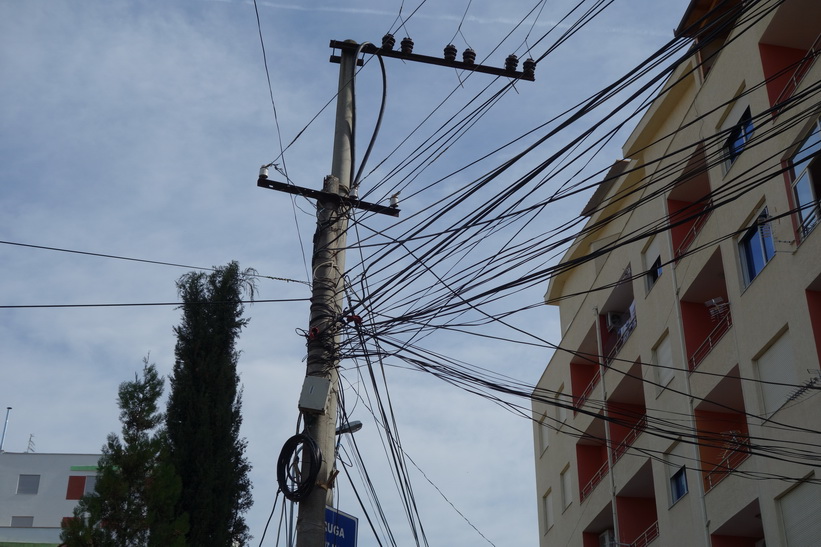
(318, 401)
(328, 267)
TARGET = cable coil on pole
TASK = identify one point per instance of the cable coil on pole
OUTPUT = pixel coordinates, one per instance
(297, 478)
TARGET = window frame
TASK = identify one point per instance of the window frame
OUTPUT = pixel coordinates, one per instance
(804, 161)
(651, 260)
(543, 433)
(547, 511)
(567, 488)
(22, 521)
(663, 374)
(561, 410)
(26, 490)
(678, 485)
(738, 137)
(753, 247)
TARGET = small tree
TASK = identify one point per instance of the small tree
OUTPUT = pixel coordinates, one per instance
(136, 489)
(203, 417)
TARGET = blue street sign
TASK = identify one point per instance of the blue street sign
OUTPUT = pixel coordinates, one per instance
(340, 528)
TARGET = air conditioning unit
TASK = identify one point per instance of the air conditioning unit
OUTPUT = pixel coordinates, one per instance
(607, 539)
(614, 320)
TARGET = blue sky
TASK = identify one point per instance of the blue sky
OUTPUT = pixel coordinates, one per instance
(137, 129)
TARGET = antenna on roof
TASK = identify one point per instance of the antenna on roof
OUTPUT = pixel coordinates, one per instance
(5, 426)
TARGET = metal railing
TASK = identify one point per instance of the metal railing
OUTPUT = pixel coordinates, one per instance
(725, 321)
(580, 400)
(594, 481)
(800, 71)
(809, 223)
(737, 451)
(624, 334)
(647, 536)
(694, 230)
(629, 439)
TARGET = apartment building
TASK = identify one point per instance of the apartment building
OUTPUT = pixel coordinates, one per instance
(37, 491)
(683, 405)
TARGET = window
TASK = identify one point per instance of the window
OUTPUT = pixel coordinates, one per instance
(800, 508)
(547, 510)
(805, 170)
(678, 485)
(28, 484)
(777, 372)
(561, 409)
(756, 247)
(652, 263)
(544, 433)
(91, 482)
(567, 493)
(739, 135)
(78, 485)
(22, 522)
(663, 361)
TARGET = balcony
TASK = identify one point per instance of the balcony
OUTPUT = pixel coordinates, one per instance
(622, 333)
(647, 537)
(579, 400)
(723, 321)
(585, 370)
(637, 512)
(705, 310)
(802, 67)
(591, 458)
(617, 318)
(721, 426)
(594, 481)
(629, 439)
(694, 228)
(736, 450)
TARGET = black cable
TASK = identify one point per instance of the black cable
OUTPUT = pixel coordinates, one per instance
(268, 522)
(296, 484)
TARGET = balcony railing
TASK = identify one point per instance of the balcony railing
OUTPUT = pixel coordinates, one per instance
(800, 71)
(594, 481)
(725, 321)
(647, 536)
(587, 392)
(624, 333)
(738, 450)
(694, 230)
(810, 222)
(629, 439)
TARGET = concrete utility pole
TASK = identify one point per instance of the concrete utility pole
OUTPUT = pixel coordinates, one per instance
(318, 401)
(328, 266)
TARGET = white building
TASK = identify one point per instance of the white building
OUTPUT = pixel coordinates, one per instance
(37, 491)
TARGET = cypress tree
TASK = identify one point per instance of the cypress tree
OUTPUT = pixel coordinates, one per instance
(136, 490)
(203, 416)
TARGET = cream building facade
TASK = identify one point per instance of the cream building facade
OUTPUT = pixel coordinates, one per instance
(683, 407)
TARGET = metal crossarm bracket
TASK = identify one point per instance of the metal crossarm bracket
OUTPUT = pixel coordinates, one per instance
(461, 65)
(325, 196)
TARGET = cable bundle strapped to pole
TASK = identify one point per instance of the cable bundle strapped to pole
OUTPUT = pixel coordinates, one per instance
(297, 478)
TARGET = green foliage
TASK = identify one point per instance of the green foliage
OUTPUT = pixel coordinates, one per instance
(136, 489)
(203, 417)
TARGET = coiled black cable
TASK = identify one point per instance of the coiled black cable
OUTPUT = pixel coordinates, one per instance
(297, 482)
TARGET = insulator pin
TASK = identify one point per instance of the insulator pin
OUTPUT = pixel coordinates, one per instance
(529, 68)
(469, 56)
(511, 63)
(388, 41)
(450, 52)
(406, 46)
